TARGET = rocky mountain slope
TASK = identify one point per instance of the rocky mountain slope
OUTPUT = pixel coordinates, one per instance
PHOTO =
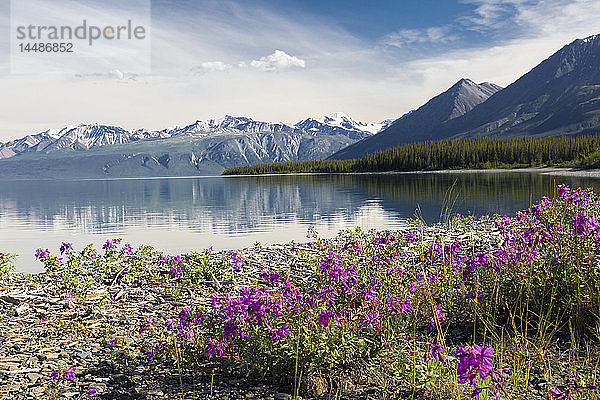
(454, 102)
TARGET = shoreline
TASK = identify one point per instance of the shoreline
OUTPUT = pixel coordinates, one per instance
(558, 171)
(592, 173)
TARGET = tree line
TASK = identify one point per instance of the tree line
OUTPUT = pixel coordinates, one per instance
(579, 151)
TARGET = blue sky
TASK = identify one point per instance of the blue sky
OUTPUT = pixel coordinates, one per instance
(374, 19)
(285, 60)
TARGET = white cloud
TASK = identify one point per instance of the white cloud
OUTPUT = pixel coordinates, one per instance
(277, 61)
(210, 66)
(115, 75)
(533, 18)
(491, 14)
(434, 34)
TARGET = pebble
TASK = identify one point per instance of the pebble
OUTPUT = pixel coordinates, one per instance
(33, 377)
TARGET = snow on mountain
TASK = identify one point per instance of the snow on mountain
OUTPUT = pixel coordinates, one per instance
(339, 123)
(32, 142)
(387, 122)
(86, 136)
(458, 100)
(344, 121)
(230, 124)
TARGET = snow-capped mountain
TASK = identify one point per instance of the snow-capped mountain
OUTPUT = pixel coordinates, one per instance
(82, 137)
(340, 123)
(33, 142)
(229, 124)
(88, 136)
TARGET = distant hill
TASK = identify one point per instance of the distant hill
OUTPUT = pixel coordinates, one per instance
(462, 97)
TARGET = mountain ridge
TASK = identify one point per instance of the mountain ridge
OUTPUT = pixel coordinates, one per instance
(457, 100)
(543, 101)
(559, 96)
(86, 136)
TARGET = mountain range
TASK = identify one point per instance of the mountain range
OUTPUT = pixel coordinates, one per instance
(202, 147)
(86, 137)
(560, 96)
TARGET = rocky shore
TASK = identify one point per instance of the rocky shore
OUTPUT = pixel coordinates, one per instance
(44, 329)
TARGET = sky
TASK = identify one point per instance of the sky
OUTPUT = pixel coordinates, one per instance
(283, 60)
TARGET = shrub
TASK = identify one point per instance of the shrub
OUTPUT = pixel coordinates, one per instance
(7, 263)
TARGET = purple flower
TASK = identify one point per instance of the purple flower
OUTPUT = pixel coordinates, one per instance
(185, 317)
(186, 337)
(438, 352)
(65, 248)
(272, 277)
(324, 317)
(434, 252)
(353, 247)
(438, 318)
(405, 307)
(282, 333)
(215, 348)
(147, 326)
(235, 259)
(473, 362)
(162, 260)
(111, 245)
(170, 325)
(42, 254)
(372, 321)
(558, 394)
(232, 331)
(474, 264)
(562, 191)
(335, 271)
(127, 249)
(584, 224)
(411, 237)
(396, 307)
(176, 271)
(68, 374)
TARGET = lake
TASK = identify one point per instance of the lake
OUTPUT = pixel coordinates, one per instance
(177, 215)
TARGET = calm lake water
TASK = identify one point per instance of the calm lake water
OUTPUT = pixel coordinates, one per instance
(184, 214)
